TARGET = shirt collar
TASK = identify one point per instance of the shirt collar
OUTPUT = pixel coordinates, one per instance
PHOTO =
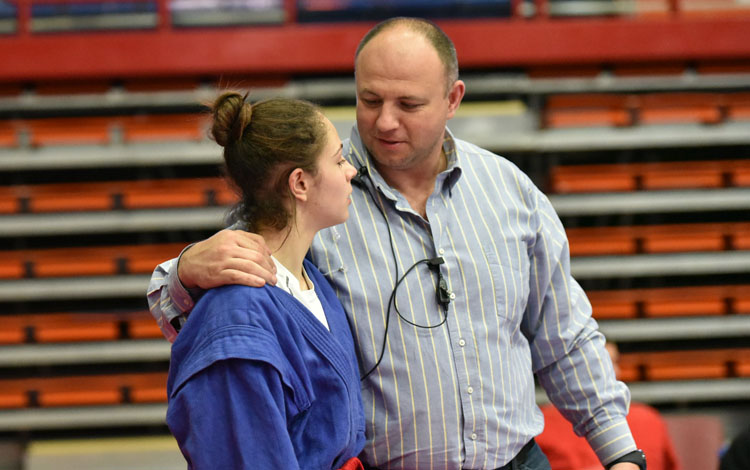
(288, 282)
(360, 157)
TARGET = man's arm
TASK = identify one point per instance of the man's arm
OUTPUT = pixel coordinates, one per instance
(568, 350)
(228, 257)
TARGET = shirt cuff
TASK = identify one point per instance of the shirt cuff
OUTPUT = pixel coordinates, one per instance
(613, 443)
(181, 296)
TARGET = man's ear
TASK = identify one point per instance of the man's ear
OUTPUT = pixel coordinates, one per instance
(299, 184)
(455, 95)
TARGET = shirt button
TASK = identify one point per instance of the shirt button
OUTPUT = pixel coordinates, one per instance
(461, 342)
(473, 436)
(470, 390)
(441, 251)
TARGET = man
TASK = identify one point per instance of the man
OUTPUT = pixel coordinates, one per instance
(454, 272)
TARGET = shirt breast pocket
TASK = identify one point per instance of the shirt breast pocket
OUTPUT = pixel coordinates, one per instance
(510, 282)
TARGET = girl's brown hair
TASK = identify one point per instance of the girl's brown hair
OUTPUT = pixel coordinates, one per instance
(263, 143)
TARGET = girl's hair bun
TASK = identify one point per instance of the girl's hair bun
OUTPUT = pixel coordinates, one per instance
(231, 115)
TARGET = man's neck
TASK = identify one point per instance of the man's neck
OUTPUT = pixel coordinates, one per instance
(417, 183)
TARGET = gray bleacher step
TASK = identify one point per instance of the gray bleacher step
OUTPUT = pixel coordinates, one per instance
(694, 391)
(608, 138)
(95, 352)
(74, 288)
(642, 202)
(338, 88)
(659, 329)
(156, 350)
(673, 264)
(670, 264)
(84, 223)
(83, 417)
(651, 202)
(682, 391)
(111, 156)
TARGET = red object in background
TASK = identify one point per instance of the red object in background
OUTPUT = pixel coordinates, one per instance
(293, 48)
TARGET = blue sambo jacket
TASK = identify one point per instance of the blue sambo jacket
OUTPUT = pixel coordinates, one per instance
(257, 382)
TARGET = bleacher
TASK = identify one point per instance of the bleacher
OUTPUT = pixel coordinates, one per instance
(106, 170)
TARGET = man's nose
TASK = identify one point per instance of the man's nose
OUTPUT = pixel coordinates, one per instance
(387, 118)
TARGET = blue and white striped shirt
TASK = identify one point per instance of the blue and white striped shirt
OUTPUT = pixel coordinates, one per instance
(461, 394)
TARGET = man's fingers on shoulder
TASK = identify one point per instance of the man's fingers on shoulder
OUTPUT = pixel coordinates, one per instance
(239, 277)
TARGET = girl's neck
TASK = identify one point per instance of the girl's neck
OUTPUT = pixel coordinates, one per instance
(290, 246)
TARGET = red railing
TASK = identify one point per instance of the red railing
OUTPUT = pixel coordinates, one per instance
(291, 47)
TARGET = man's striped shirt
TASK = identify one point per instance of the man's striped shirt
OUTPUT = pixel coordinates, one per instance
(455, 386)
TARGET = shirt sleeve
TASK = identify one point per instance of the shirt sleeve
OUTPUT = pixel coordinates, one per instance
(567, 348)
(232, 414)
(168, 298)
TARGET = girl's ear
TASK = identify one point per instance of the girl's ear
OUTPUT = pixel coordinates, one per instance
(299, 184)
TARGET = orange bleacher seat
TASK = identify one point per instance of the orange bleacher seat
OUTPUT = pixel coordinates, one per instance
(628, 372)
(641, 70)
(592, 178)
(10, 334)
(83, 390)
(145, 327)
(722, 67)
(592, 241)
(8, 134)
(684, 237)
(556, 71)
(742, 366)
(584, 110)
(154, 128)
(59, 327)
(685, 365)
(63, 197)
(175, 193)
(742, 301)
(148, 388)
(73, 87)
(8, 200)
(702, 174)
(143, 259)
(740, 173)
(649, 176)
(13, 265)
(738, 106)
(13, 394)
(669, 302)
(100, 196)
(154, 84)
(69, 130)
(86, 261)
(76, 327)
(660, 108)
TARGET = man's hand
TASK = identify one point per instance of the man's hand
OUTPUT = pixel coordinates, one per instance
(625, 466)
(228, 257)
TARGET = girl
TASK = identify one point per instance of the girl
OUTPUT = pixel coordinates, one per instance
(266, 378)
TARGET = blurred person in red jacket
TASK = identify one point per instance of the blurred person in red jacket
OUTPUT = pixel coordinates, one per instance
(567, 451)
